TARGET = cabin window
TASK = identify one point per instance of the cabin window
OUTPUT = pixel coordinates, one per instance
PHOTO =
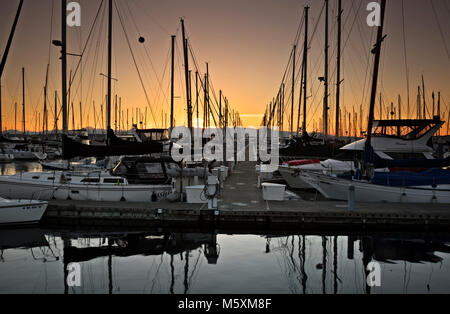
(90, 180)
(113, 181)
(35, 178)
(51, 179)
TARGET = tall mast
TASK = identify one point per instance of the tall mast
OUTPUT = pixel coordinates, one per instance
(45, 118)
(377, 51)
(110, 29)
(56, 111)
(5, 55)
(282, 107)
(293, 89)
(186, 71)
(73, 118)
(300, 98)
(220, 108)
(1, 106)
(424, 100)
(190, 96)
(338, 71)
(439, 105)
(115, 114)
(205, 108)
(172, 82)
(325, 97)
(432, 97)
(208, 105)
(95, 116)
(81, 116)
(419, 108)
(305, 69)
(448, 122)
(15, 118)
(196, 98)
(64, 65)
(23, 99)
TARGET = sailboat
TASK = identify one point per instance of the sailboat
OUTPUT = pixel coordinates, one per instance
(313, 145)
(93, 185)
(425, 187)
(114, 146)
(398, 145)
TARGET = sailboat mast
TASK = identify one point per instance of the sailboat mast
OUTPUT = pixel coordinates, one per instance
(186, 72)
(108, 108)
(172, 82)
(325, 98)
(377, 51)
(338, 71)
(208, 105)
(305, 69)
(56, 112)
(81, 116)
(419, 108)
(64, 65)
(439, 105)
(293, 89)
(23, 99)
(424, 99)
(196, 98)
(45, 118)
(5, 55)
(1, 106)
(300, 99)
(15, 118)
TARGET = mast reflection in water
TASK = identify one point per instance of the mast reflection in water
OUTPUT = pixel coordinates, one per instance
(36, 260)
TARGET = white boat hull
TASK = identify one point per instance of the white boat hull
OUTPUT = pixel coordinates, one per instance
(293, 178)
(21, 211)
(338, 189)
(15, 188)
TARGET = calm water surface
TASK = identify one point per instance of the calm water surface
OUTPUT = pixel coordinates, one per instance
(157, 261)
(34, 260)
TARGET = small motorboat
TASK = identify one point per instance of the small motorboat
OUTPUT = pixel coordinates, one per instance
(21, 211)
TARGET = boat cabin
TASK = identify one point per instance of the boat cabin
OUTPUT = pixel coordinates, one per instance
(145, 170)
(405, 129)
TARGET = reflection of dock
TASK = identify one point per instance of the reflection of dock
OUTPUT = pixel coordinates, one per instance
(242, 204)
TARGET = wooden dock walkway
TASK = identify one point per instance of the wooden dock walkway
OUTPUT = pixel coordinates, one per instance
(241, 203)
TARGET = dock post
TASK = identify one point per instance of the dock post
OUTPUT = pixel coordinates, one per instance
(351, 198)
(260, 177)
(212, 190)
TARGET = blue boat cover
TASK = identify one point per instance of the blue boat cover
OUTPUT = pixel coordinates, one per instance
(432, 177)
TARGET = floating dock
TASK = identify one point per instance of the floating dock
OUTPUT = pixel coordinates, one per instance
(241, 204)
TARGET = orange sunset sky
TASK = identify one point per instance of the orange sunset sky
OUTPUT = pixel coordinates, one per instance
(247, 44)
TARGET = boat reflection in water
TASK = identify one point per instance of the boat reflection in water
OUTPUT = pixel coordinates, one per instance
(163, 261)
